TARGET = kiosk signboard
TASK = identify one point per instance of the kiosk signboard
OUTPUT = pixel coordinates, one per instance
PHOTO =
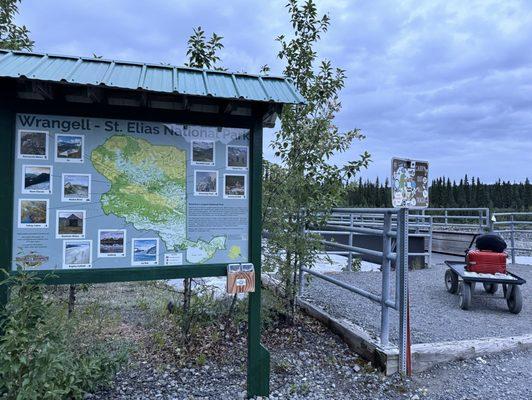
(116, 171)
(108, 193)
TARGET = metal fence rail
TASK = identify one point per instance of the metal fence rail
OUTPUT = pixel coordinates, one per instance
(392, 225)
(507, 224)
(465, 217)
(352, 221)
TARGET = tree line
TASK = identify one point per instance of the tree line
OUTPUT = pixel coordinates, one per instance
(445, 193)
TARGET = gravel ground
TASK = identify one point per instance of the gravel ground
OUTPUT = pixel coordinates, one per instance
(501, 376)
(308, 361)
(435, 315)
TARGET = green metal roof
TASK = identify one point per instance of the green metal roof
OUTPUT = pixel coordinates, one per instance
(148, 77)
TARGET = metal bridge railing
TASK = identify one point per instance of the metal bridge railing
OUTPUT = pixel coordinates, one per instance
(508, 224)
(465, 217)
(353, 222)
(393, 225)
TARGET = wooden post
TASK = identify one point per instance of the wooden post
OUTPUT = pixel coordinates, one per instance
(4, 297)
(7, 129)
(258, 375)
(71, 299)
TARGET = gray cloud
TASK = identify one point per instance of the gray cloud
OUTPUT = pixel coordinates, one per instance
(445, 81)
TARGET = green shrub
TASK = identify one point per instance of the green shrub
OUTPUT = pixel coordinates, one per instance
(40, 356)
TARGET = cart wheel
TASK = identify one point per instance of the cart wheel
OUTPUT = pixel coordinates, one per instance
(504, 289)
(490, 288)
(451, 281)
(515, 301)
(465, 296)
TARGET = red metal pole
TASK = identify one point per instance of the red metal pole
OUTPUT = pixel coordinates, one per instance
(408, 341)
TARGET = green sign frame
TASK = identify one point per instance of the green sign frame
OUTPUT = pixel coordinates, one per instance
(258, 368)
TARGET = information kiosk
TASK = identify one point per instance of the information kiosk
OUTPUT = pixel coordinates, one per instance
(121, 171)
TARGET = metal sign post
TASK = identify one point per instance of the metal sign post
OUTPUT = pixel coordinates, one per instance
(402, 264)
(410, 190)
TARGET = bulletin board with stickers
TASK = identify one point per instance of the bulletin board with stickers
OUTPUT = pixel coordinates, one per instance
(410, 183)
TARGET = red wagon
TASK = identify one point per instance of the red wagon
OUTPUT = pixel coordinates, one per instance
(460, 281)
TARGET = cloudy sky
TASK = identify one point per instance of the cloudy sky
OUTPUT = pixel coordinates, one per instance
(446, 81)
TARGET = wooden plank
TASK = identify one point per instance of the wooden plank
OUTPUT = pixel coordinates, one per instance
(449, 235)
(454, 243)
(452, 240)
(449, 247)
(355, 337)
(426, 355)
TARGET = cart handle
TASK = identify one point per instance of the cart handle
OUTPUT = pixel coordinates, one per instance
(472, 241)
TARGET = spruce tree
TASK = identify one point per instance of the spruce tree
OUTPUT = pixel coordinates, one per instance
(527, 197)
(467, 192)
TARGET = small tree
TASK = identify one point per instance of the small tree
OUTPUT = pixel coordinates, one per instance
(12, 37)
(201, 54)
(307, 182)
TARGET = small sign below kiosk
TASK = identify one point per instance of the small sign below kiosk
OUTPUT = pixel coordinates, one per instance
(240, 278)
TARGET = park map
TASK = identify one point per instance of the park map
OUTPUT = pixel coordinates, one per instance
(148, 190)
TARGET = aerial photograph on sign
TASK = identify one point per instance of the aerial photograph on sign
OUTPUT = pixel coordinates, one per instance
(77, 253)
(111, 242)
(32, 213)
(144, 251)
(205, 183)
(235, 186)
(237, 157)
(70, 224)
(203, 152)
